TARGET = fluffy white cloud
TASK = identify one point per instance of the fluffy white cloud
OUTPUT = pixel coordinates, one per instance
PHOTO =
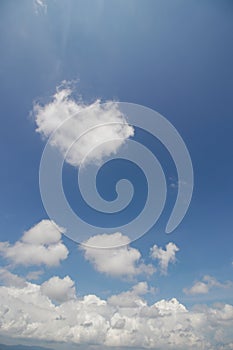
(40, 245)
(164, 256)
(167, 324)
(132, 298)
(59, 289)
(83, 123)
(123, 261)
(204, 286)
(45, 232)
(197, 288)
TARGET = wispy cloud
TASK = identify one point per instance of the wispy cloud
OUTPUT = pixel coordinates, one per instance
(40, 6)
(59, 289)
(205, 285)
(34, 275)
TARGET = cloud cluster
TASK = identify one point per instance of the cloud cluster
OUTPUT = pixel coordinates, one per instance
(53, 311)
(41, 245)
(204, 286)
(124, 320)
(164, 256)
(123, 261)
(79, 125)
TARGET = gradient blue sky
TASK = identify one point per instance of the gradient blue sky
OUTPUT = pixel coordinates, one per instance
(172, 56)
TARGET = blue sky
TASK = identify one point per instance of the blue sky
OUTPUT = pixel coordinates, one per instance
(174, 57)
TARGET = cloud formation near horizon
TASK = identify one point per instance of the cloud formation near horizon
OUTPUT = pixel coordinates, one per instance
(204, 286)
(123, 320)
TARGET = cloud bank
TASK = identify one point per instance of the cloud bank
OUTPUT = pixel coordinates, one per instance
(123, 320)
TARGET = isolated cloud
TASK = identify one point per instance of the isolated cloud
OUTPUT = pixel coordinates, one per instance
(167, 324)
(41, 245)
(82, 125)
(40, 6)
(59, 289)
(123, 261)
(165, 256)
(204, 286)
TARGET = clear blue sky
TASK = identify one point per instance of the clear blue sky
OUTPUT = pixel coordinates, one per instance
(172, 56)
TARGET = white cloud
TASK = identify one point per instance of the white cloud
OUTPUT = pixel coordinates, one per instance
(45, 232)
(40, 6)
(34, 275)
(123, 261)
(132, 298)
(59, 289)
(40, 245)
(26, 312)
(85, 120)
(10, 279)
(164, 256)
(204, 286)
(197, 288)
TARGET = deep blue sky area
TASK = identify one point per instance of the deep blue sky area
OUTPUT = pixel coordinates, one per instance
(172, 56)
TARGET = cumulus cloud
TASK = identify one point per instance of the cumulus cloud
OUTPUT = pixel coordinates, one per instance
(41, 245)
(204, 286)
(197, 288)
(82, 125)
(59, 289)
(166, 324)
(132, 298)
(164, 256)
(123, 261)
